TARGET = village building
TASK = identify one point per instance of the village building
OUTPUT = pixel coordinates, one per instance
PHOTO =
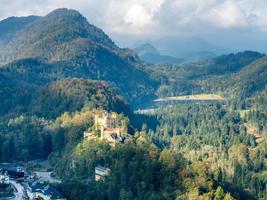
(101, 173)
(14, 174)
(38, 190)
(4, 179)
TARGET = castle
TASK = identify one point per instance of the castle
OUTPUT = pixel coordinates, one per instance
(110, 127)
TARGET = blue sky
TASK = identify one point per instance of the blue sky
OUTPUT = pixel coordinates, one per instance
(236, 24)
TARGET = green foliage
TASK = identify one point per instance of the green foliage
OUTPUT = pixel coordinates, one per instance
(219, 137)
(52, 100)
(24, 138)
(73, 95)
(137, 172)
(219, 194)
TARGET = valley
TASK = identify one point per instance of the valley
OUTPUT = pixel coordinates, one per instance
(95, 121)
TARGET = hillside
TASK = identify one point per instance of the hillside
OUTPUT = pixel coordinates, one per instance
(70, 95)
(66, 41)
(51, 100)
(10, 26)
(204, 76)
(247, 82)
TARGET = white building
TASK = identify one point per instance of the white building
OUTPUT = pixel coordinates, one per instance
(37, 190)
(101, 173)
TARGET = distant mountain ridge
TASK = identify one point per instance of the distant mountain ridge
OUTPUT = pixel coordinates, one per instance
(185, 47)
(150, 54)
(231, 74)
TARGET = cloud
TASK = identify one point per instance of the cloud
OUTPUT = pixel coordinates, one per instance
(148, 16)
(137, 16)
(228, 14)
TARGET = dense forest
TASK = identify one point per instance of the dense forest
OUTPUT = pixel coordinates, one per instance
(231, 75)
(58, 71)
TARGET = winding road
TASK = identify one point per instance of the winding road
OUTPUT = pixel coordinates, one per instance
(19, 194)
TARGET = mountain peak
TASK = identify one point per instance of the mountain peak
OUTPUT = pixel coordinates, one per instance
(146, 48)
(48, 37)
(67, 14)
(64, 11)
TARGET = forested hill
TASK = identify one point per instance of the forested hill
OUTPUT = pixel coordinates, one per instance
(247, 82)
(71, 47)
(50, 101)
(228, 74)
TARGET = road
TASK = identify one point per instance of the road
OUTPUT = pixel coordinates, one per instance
(46, 177)
(19, 195)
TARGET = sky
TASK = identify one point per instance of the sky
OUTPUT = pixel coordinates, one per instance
(232, 24)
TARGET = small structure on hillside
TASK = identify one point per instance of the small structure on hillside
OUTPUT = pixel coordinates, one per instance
(38, 190)
(101, 172)
(4, 179)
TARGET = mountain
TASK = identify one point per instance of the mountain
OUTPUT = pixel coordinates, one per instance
(188, 48)
(150, 54)
(146, 49)
(212, 75)
(10, 26)
(71, 47)
(247, 82)
(48, 36)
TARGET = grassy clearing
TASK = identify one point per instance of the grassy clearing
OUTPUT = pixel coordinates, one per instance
(197, 97)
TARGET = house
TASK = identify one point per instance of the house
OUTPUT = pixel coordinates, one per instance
(38, 190)
(13, 174)
(4, 179)
(101, 173)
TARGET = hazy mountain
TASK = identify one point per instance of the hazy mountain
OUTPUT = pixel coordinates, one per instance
(64, 39)
(150, 54)
(10, 26)
(186, 47)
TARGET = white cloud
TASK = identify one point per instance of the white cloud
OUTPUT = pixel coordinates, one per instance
(228, 14)
(137, 16)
